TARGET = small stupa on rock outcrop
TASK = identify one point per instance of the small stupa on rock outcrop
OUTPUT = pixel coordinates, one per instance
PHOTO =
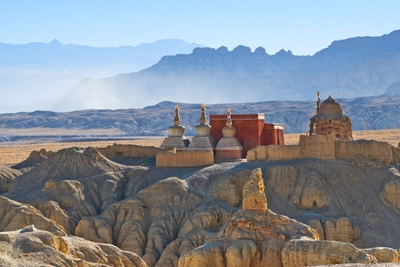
(228, 147)
(202, 140)
(175, 137)
(331, 118)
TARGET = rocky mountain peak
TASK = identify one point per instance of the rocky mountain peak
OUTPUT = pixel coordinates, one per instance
(393, 89)
(241, 50)
(55, 42)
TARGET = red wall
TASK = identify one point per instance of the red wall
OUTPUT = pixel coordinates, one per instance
(250, 130)
(272, 134)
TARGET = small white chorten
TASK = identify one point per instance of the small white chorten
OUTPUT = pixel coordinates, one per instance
(175, 137)
(202, 140)
(228, 147)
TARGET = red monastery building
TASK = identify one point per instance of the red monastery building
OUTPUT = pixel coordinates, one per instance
(251, 130)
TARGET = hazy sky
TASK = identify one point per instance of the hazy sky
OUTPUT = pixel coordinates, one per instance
(303, 26)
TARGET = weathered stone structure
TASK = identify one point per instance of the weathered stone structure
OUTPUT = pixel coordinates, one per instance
(184, 159)
(328, 147)
(228, 148)
(330, 118)
(202, 140)
(118, 151)
(175, 137)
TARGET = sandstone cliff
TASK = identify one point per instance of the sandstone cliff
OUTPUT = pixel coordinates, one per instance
(256, 236)
(163, 215)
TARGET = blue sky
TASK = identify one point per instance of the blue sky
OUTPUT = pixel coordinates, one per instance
(301, 26)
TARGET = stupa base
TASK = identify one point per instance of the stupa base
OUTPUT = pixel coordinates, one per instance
(202, 143)
(177, 142)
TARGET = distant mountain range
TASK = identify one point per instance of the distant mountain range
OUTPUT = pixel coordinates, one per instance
(356, 67)
(378, 112)
(40, 72)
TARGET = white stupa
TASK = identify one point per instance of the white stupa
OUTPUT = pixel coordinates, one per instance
(175, 137)
(202, 140)
(228, 148)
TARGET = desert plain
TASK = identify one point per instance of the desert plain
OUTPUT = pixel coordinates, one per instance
(15, 152)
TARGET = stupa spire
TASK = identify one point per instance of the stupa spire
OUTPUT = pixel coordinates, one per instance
(228, 118)
(203, 120)
(175, 138)
(318, 103)
(202, 140)
(177, 120)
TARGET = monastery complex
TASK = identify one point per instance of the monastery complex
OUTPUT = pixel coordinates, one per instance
(234, 137)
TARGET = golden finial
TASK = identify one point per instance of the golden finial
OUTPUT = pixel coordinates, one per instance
(177, 120)
(228, 118)
(203, 114)
(318, 103)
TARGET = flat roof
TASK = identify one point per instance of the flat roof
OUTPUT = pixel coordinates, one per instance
(259, 116)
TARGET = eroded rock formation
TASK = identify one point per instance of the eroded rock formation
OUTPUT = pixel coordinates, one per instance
(338, 230)
(254, 236)
(212, 215)
(7, 175)
(70, 185)
(311, 252)
(391, 191)
(14, 215)
(30, 247)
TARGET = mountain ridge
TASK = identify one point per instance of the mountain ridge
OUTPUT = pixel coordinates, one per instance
(366, 113)
(345, 69)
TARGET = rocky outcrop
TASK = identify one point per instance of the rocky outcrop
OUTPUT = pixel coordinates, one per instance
(254, 236)
(14, 215)
(165, 216)
(338, 230)
(314, 252)
(70, 185)
(209, 214)
(391, 191)
(383, 254)
(253, 193)
(30, 247)
(40, 155)
(7, 175)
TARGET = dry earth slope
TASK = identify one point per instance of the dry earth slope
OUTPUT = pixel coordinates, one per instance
(163, 216)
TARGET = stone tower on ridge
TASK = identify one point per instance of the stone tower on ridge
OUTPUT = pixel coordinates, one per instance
(330, 118)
